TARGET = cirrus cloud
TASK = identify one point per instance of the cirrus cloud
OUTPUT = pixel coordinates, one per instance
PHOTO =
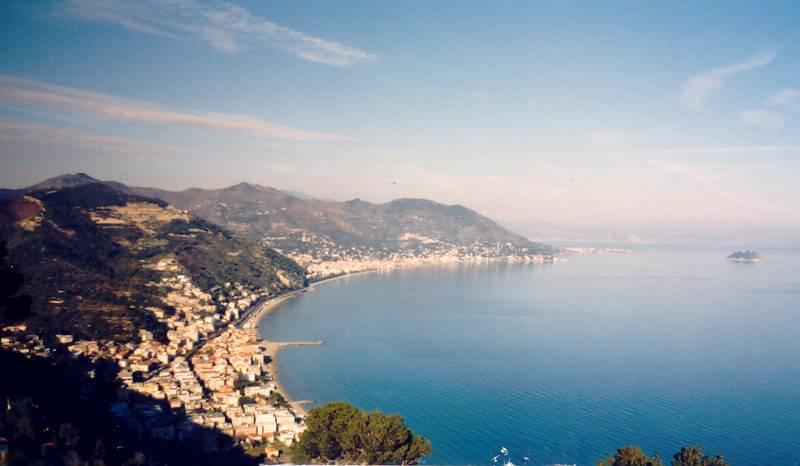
(786, 98)
(221, 25)
(697, 89)
(26, 92)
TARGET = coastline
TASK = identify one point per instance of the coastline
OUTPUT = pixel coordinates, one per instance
(269, 305)
(273, 348)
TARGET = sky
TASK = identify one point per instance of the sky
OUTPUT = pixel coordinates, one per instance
(639, 118)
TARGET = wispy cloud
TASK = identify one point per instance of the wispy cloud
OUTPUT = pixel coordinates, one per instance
(786, 98)
(708, 150)
(17, 91)
(19, 139)
(697, 89)
(762, 119)
(221, 25)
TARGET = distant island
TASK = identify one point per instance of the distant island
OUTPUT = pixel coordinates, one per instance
(745, 255)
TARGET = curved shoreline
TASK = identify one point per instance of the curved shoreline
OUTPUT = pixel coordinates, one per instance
(273, 348)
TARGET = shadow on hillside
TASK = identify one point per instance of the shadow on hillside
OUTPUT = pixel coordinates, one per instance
(54, 411)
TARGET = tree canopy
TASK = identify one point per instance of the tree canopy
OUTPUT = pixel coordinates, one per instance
(687, 456)
(693, 456)
(631, 456)
(339, 432)
(13, 307)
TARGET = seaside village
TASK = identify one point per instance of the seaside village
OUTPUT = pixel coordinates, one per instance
(211, 372)
(323, 258)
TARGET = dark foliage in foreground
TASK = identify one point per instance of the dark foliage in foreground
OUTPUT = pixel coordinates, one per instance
(693, 456)
(13, 306)
(631, 456)
(52, 413)
(634, 456)
(340, 433)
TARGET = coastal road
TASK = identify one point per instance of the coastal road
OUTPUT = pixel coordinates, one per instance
(250, 316)
(251, 313)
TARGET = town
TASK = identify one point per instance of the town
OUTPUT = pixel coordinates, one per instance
(213, 373)
(209, 378)
(324, 258)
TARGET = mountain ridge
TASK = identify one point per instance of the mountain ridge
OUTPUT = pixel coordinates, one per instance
(99, 260)
(262, 212)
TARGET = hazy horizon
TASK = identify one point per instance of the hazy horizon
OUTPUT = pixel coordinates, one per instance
(638, 120)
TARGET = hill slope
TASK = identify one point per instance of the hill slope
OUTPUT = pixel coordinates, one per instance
(94, 258)
(258, 211)
(261, 212)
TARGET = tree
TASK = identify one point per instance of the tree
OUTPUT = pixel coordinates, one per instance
(68, 436)
(631, 456)
(138, 459)
(276, 399)
(13, 307)
(693, 456)
(99, 453)
(241, 382)
(339, 432)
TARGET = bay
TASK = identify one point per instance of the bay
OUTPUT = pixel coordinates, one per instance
(565, 362)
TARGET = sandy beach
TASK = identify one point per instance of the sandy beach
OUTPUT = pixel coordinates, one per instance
(273, 348)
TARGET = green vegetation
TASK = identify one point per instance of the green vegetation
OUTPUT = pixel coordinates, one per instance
(241, 382)
(53, 413)
(687, 456)
(13, 306)
(340, 433)
(259, 212)
(262, 212)
(94, 280)
(276, 399)
(631, 456)
(245, 400)
(693, 456)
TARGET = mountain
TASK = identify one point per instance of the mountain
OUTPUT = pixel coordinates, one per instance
(329, 238)
(94, 257)
(261, 212)
(59, 182)
(258, 211)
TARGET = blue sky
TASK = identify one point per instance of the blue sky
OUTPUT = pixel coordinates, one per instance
(641, 118)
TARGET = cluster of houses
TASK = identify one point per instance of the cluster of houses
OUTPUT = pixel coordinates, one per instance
(16, 338)
(233, 369)
(224, 388)
(207, 381)
(327, 259)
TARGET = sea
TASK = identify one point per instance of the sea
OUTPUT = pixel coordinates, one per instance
(563, 363)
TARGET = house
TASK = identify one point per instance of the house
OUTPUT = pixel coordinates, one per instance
(272, 452)
(65, 339)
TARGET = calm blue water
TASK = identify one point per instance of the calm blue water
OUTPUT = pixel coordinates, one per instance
(566, 362)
